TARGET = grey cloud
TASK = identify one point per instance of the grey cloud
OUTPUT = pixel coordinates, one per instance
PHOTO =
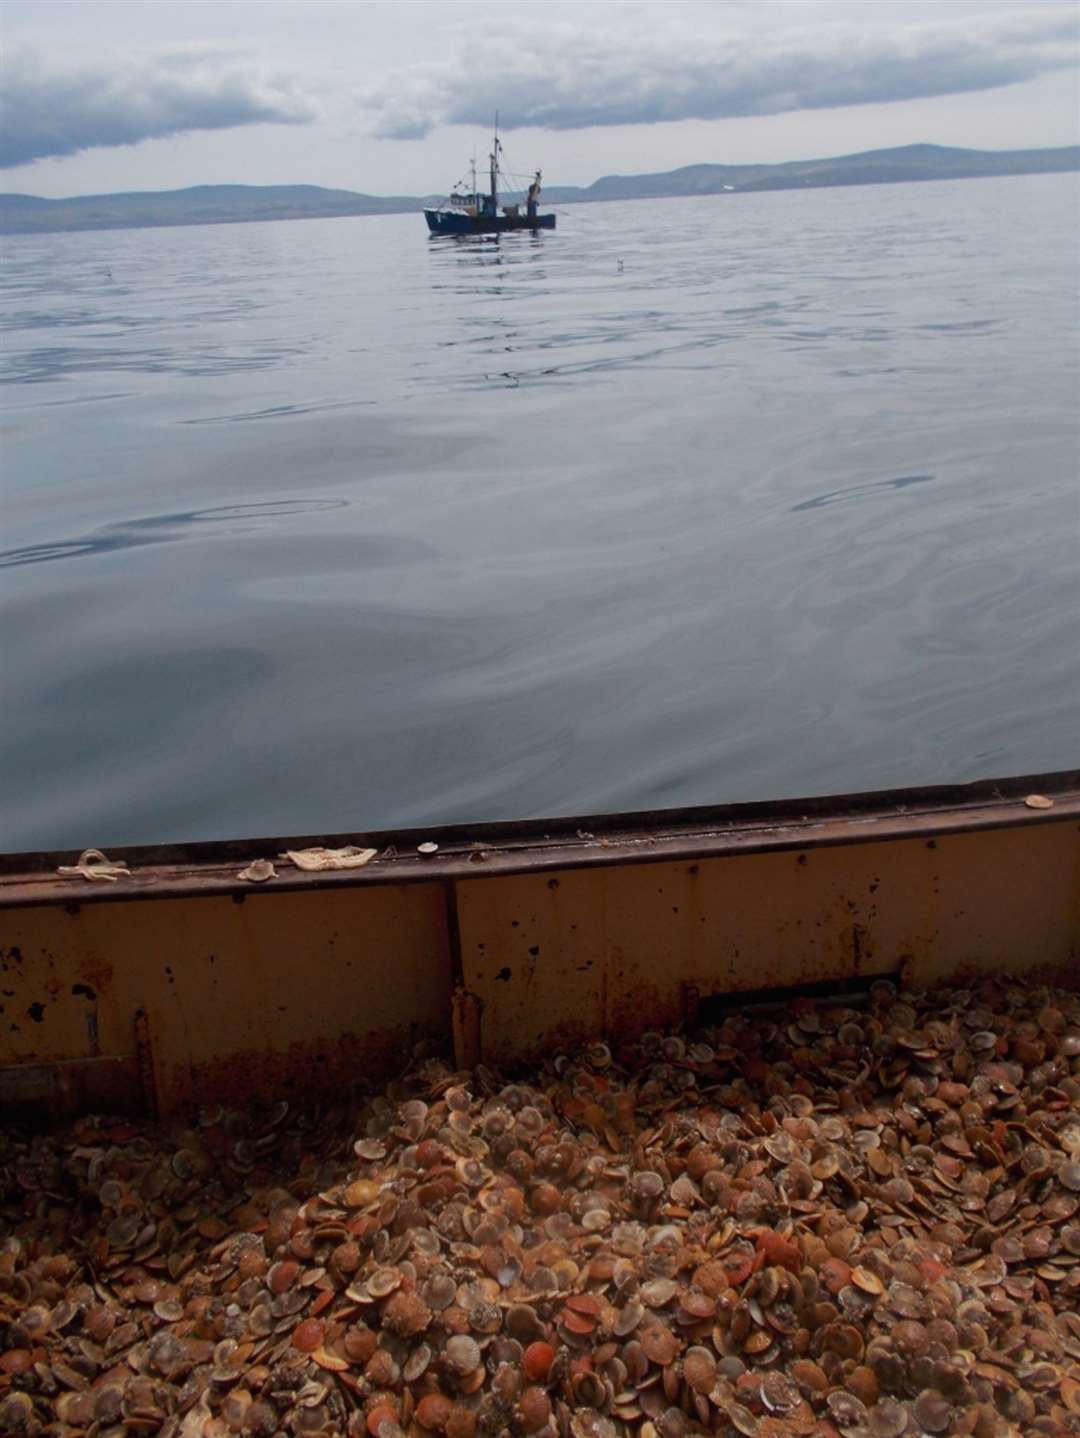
(568, 78)
(46, 111)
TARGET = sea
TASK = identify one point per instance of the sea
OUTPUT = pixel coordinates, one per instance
(328, 526)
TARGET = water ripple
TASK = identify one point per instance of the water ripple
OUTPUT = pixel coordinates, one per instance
(163, 529)
(856, 492)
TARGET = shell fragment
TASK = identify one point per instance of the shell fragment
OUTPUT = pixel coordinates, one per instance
(94, 865)
(258, 871)
(316, 859)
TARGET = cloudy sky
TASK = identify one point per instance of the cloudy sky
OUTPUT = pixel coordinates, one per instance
(105, 95)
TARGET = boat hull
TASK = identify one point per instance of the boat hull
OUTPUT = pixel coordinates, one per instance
(453, 222)
(185, 983)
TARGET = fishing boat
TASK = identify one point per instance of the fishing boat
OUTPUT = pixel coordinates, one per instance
(471, 212)
(169, 976)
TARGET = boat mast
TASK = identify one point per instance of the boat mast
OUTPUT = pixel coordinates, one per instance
(495, 165)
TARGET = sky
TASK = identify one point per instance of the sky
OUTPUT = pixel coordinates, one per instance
(98, 96)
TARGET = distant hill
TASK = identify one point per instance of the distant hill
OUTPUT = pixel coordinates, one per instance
(871, 167)
(200, 205)
(233, 204)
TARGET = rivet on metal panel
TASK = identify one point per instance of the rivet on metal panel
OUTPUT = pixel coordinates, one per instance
(691, 1004)
(144, 1058)
(467, 1009)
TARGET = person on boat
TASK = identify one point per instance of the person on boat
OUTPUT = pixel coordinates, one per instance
(533, 197)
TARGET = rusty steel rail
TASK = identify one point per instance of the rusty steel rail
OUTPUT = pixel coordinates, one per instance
(548, 845)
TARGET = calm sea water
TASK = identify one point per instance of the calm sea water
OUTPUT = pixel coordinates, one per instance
(327, 526)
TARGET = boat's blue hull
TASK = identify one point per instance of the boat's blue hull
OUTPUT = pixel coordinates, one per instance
(452, 222)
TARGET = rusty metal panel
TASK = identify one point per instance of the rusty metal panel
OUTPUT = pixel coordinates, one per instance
(1001, 902)
(279, 993)
(618, 950)
(187, 984)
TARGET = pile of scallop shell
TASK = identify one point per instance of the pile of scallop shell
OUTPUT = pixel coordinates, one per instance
(831, 1220)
